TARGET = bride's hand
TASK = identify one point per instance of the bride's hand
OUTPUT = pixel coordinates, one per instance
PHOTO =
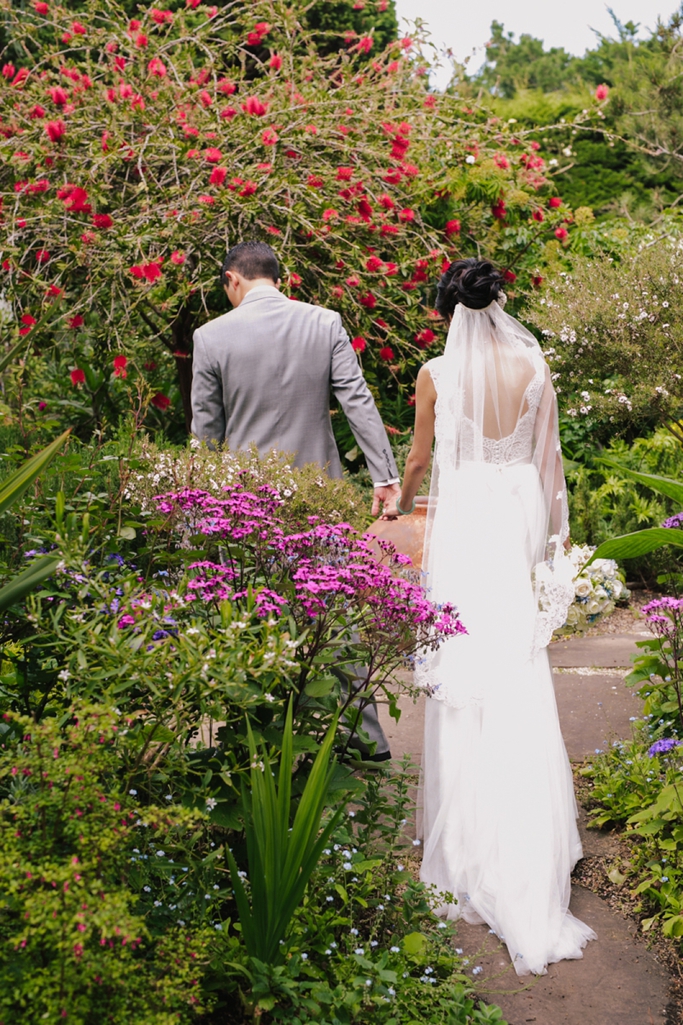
(567, 545)
(390, 512)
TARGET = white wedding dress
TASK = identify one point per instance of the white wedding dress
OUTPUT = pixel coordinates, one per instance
(498, 814)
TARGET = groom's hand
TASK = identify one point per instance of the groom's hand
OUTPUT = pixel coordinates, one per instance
(386, 496)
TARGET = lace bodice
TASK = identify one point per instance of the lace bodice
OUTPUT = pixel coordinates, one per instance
(451, 422)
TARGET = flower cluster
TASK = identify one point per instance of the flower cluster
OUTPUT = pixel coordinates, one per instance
(665, 617)
(597, 589)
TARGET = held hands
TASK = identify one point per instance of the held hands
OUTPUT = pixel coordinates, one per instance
(387, 497)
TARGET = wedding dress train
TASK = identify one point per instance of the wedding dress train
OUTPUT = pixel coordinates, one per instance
(497, 803)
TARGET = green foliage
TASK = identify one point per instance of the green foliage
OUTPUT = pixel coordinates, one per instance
(75, 943)
(281, 859)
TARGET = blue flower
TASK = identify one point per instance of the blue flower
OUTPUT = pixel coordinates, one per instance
(663, 746)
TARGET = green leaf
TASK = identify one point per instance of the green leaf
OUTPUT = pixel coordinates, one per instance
(414, 943)
(25, 582)
(664, 485)
(17, 483)
(629, 546)
(14, 351)
(128, 533)
(319, 688)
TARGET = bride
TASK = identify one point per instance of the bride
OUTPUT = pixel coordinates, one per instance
(499, 814)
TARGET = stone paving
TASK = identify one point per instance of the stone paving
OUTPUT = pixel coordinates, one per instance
(618, 981)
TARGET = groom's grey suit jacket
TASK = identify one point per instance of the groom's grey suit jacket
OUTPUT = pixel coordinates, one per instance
(263, 373)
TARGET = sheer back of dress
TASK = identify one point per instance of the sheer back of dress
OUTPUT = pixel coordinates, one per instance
(496, 405)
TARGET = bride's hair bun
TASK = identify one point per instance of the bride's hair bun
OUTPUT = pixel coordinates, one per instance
(474, 283)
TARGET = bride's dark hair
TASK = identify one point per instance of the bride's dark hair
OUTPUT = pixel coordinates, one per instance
(474, 283)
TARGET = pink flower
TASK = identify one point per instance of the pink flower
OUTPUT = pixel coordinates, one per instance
(224, 85)
(213, 155)
(205, 98)
(74, 199)
(452, 227)
(330, 215)
(561, 233)
(500, 160)
(374, 264)
(120, 363)
(77, 377)
(157, 67)
(406, 215)
(359, 344)
(368, 300)
(218, 176)
(55, 130)
(228, 113)
(141, 40)
(102, 221)
(387, 354)
(294, 280)
(254, 106)
(149, 271)
(40, 8)
(58, 95)
(353, 281)
(161, 17)
(269, 137)
(207, 200)
(344, 174)
(177, 257)
(78, 29)
(602, 92)
(554, 202)
(275, 62)
(37, 111)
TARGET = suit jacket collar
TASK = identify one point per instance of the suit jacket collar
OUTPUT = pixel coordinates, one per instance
(262, 292)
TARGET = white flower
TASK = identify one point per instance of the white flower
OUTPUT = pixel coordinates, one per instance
(582, 587)
(470, 159)
(211, 803)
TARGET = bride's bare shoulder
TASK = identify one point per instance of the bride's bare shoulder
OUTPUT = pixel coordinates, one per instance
(427, 377)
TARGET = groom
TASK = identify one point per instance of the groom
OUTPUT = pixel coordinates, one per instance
(262, 374)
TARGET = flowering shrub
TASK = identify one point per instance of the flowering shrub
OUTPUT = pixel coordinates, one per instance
(76, 945)
(597, 589)
(130, 148)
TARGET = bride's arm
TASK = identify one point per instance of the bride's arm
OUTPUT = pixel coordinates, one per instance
(420, 454)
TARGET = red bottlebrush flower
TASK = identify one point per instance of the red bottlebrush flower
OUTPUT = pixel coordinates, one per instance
(42, 406)
(149, 271)
(66, 37)
(538, 215)
(120, 364)
(509, 275)
(537, 281)
(58, 95)
(111, 47)
(337, 291)
(258, 33)
(275, 62)
(205, 98)
(498, 210)
(141, 40)
(78, 29)
(269, 137)
(161, 17)
(364, 44)
(344, 174)
(28, 321)
(224, 85)
(74, 199)
(425, 338)
(294, 280)
(42, 185)
(55, 130)
(365, 210)
(178, 258)
(249, 189)
(330, 215)
(76, 321)
(381, 324)
(192, 4)
(554, 202)
(386, 353)
(535, 146)
(87, 237)
(20, 78)
(406, 42)
(266, 168)
(213, 155)
(368, 300)
(411, 400)
(406, 215)
(315, 181)
(150, 365)
(77, 377)
(389, 229)
(254, 106)
(8, 71)
(105, 137)
(41, 8)
(390, 269)
(353, 281)
(6, 265)
(160, 401)
(157, 67)
(386, 202)
(272, 230)
(37, 111)
(399, 147)
(218, 176)
(430, 101)
(602, 92)
(393, 176)
(54, 290)
(120, 63)
(192, 154)
(228, 112)
(452, 227)
(102, 221)
(561, 233)
(42, 255)
(208, 200)
(500, 160)
(374, 264)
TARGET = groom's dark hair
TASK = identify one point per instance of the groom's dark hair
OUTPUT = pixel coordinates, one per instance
(251, 260)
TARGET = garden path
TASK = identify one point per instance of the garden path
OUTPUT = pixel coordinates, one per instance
(619, 981)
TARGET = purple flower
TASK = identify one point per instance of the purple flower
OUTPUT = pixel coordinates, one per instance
(675, 521)
(125, 621)
(662, 747)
